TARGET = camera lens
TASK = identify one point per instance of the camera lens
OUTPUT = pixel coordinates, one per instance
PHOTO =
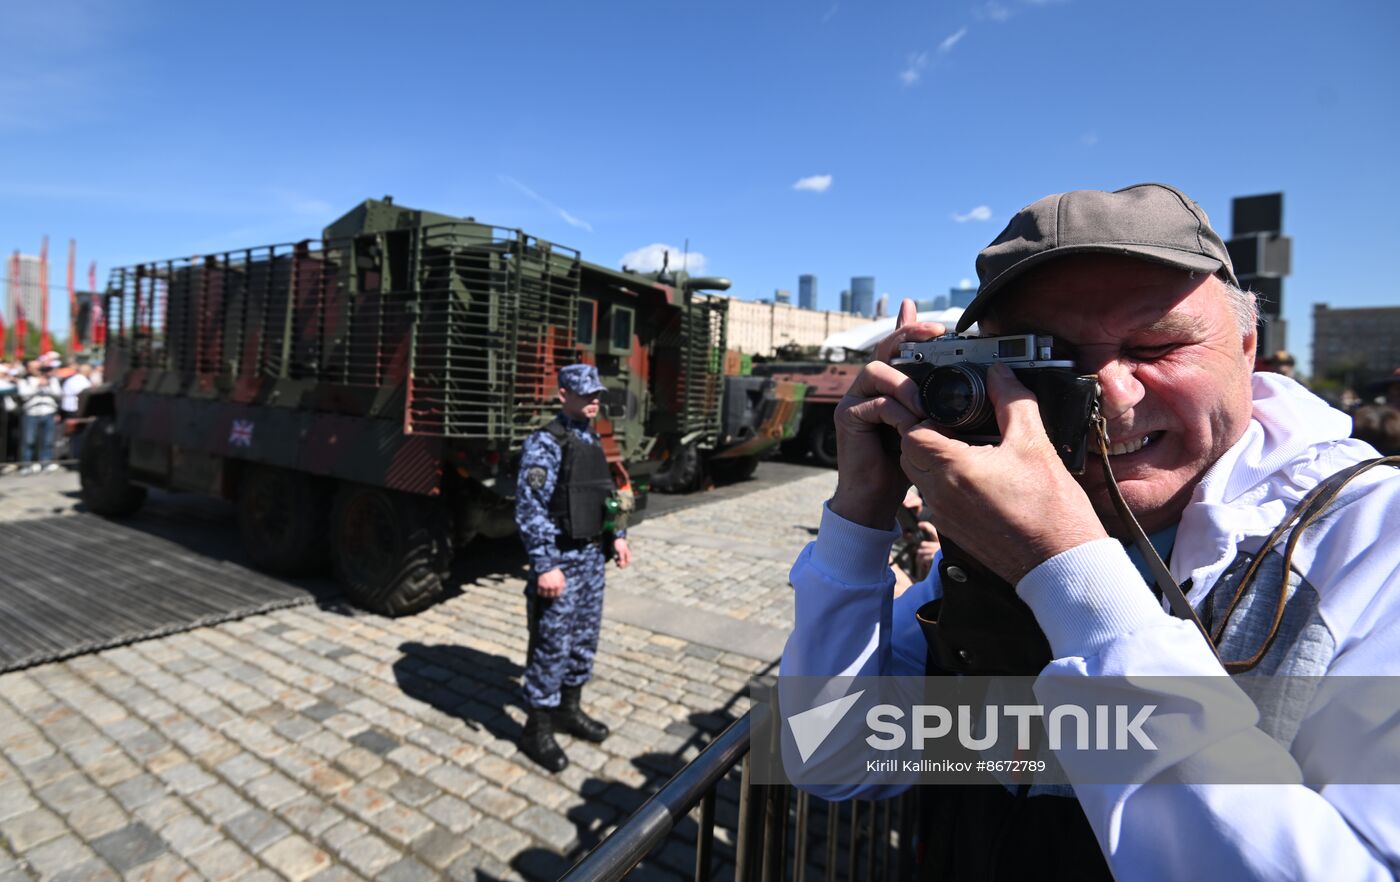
(955, 396)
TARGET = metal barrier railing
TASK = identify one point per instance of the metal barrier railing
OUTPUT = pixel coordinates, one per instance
(775, 837)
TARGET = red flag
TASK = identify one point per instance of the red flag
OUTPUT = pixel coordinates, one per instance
(75, 342)
(45, 345)
(21, 326)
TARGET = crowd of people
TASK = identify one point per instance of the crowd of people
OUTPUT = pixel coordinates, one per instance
(1374, 410)
(39, 399)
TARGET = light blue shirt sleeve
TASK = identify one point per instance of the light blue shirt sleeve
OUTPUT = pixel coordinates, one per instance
(847, 622)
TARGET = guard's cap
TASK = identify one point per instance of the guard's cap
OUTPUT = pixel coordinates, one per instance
(581, 379)
(1154, 222)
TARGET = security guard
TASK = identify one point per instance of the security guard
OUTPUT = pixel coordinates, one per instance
(561, 493)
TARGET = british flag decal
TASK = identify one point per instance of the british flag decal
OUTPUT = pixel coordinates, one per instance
(241, 434)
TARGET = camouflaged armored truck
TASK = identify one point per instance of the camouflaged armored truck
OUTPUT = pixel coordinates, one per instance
(826, 383)
(363, 397)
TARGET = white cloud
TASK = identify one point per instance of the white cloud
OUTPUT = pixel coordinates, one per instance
(814, 183)
(952, 40)
(650, 258)
(575, 222)
(914, 69)
(1002, 10)
(563, 215)
(980, 213)
(1089, 139)
(830, 13)
(992, 10)
(965, 284)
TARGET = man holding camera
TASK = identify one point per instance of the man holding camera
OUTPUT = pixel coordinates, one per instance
(1137, 291)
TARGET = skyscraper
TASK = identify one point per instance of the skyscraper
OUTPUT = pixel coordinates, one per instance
(882, 308)
(863, 295)
(807, 291)
(845, 300)
(782, 295)
(961, 296)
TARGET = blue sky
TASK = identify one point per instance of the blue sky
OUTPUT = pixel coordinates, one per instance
(150, 130)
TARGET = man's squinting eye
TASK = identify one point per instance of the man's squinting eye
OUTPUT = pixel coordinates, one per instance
(1151, 352)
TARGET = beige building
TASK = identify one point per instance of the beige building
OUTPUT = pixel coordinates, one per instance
(1363, 343)
(760, 328)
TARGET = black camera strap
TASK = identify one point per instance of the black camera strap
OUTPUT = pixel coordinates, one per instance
(1176, 598)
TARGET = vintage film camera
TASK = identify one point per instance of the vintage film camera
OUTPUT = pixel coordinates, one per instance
(951, 373)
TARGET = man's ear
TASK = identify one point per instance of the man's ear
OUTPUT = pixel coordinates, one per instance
(1250, 343)
(561, 394)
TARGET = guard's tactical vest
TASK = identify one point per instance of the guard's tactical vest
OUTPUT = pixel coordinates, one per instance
(583, 487)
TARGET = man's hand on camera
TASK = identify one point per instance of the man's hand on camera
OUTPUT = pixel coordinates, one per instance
(1011, 506)
(881, 405)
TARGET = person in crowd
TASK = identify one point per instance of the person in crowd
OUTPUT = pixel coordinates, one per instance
(1210, 458)
(9, 414)
(39, 395)
(912, 556)
(1281, 362)
(78, 382)
(1389, 389)
(1379, 426)
(1349, 400)
(561, 494)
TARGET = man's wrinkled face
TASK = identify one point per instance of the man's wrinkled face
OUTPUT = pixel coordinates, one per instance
(579, 407)
(1172, 363)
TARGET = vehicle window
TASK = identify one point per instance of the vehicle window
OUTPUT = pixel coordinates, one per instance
(584, 328)
(620, 341)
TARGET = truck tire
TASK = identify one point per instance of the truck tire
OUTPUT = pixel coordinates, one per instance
(734, 469)
(102, 471)
(282, 517)
(794, 448)
(391, 550)
(821, 441)
(681, 472)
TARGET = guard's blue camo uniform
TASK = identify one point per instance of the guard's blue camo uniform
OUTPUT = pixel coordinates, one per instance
(563, 630)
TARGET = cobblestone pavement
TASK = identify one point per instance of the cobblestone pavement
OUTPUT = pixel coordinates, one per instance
(314, 743)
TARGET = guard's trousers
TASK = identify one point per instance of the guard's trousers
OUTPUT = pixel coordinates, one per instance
(564, 630)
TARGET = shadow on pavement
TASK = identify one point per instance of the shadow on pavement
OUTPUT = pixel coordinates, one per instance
(473, 686)
(478, 687)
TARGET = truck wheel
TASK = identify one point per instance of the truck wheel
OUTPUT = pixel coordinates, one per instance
(821, 440)
(391, 549)
(102, 471)
(681, 473)
(733, 469)
(794, 448)
(283, 520)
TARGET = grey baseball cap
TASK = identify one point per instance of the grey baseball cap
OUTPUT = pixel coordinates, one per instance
(1154, 222)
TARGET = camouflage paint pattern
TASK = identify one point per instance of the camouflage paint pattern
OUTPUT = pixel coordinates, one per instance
(401, 349)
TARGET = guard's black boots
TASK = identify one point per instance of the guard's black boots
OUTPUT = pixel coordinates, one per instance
(538, 741)
(571, 718)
